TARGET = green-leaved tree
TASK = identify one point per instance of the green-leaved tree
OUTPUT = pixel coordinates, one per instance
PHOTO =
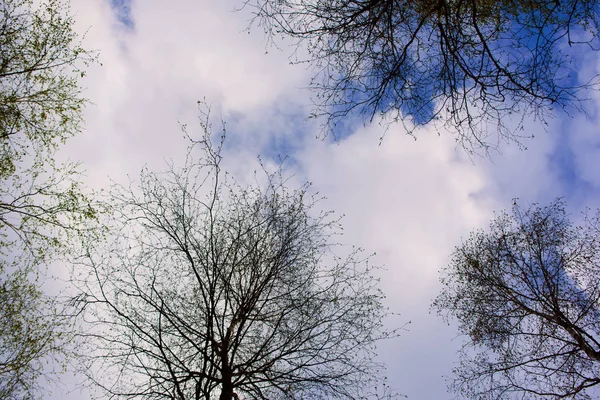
(41, 200)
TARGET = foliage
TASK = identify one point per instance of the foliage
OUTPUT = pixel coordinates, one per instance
(467, 63)
(40, 99)
(40, 107)
(33, 333)
(42, 204)
(527, 293)
(209, 288)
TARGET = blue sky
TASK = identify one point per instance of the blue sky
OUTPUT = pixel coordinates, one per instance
(122, 12)
(410, 201)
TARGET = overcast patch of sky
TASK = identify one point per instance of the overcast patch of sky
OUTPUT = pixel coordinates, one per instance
(409, 201)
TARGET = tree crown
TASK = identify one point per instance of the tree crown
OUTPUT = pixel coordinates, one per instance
(527, 293)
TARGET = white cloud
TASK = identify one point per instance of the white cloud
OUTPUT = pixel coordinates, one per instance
(151, 78)
(411, 202)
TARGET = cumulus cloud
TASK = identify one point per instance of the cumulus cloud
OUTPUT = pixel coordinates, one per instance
(409, 201)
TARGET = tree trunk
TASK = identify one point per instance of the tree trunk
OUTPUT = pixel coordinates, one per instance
(227, 390)
(226, 373)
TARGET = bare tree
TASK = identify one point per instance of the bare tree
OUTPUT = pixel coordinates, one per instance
(206, 288)
(468, 63)
(527, 293)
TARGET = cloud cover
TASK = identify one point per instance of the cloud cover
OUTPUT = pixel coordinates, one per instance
(409, 201)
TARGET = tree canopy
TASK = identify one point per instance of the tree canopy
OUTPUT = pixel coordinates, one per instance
(41, 200)
(527, 294)
(469, 64)
(40, 107)
(32, 333)
(207, 288)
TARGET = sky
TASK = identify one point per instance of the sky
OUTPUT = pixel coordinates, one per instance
(409, 201)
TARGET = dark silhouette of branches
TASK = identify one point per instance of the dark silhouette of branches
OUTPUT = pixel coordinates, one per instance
(527, 293)
(210, 289)
(467, 63)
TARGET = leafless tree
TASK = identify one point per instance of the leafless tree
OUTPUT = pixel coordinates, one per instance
(206, 288)
(468, 63)
(527, 294)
